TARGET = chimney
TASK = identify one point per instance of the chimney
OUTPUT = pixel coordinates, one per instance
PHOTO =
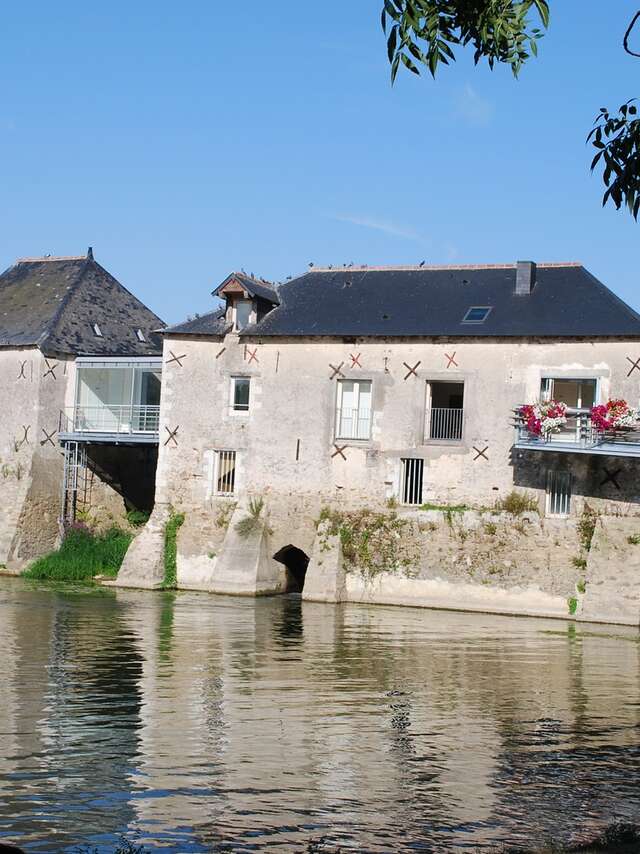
(90, 253)
(525, 277)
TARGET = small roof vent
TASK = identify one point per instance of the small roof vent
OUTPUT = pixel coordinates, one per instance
(140, 336)
(96, 330)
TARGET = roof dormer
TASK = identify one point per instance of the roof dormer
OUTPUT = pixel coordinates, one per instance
(247, 299)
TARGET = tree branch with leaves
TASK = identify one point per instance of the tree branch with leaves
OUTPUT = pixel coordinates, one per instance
(425, 34)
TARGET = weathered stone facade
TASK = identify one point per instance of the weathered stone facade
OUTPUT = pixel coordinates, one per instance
(287, 453)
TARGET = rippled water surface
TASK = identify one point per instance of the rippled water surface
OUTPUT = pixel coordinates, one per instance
(199, 723)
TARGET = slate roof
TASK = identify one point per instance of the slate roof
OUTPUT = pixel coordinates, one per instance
(254, 287)
(52, 303)
(567, 301)
(213, 323)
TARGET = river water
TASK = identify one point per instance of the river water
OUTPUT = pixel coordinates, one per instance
(190, 722)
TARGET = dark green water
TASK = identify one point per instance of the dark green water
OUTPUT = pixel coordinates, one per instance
(204, 723)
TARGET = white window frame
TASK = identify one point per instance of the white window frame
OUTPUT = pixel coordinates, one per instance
(232, 400)
(338, 411)
(217, 457)
(428, 412)
(565, 494)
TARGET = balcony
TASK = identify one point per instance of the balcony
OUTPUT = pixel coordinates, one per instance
(579, 436)
(110, 423)
(444, 424)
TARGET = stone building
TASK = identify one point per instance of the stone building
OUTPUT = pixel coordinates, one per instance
(80, 365)
(369, 387)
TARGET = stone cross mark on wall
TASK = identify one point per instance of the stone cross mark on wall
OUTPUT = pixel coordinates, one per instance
(175, 358)
(336, 371)
(611, 477)
(172, 436)
(355, 360)
(51, 369)
(48, 437)
(635, 366)
(25, 437)
(451, 360)
(386, 364)
(412, 370)
(220, 352)
(339, 450)
(480, 453)
(252, 354)
(22, 375)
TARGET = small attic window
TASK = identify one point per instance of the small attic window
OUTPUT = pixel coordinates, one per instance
(477, 314)
(140, 336)
(96, 330)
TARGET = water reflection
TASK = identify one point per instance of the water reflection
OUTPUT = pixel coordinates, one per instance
(211, 723)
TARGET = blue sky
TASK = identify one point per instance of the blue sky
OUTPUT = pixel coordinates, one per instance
(186, 140)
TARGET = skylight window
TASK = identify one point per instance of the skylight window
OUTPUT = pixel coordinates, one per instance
(96, 330)
(140, 335)
(477, 314)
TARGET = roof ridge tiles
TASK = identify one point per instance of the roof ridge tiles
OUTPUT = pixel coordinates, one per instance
(410, 267)
(51, 258)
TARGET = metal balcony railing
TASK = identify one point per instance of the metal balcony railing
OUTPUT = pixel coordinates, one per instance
(353, 423)
(579, 435)
(110, 419)
(444, 424)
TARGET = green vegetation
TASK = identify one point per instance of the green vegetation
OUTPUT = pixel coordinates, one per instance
(246, 526)
(586, 526)
(171, 550)
(83, 555)
(445, 508)
(516, 503)
(581, 586)
(573, 605)
(490, 528)
(579, 562)
(634, 540)
(372, 542)
(137, 518)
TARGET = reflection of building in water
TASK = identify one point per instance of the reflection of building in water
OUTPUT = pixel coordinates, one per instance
(75, 706)
(222, 720)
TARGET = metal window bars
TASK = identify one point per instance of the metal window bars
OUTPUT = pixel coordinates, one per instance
(225, 473)
(412, 477)
(444, 424)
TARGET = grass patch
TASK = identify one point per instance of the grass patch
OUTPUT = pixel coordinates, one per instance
(171, 529)
(82, 556)
(224, 514)
(572, 604)
(516, 503)
(634, 540)
(579, 562)
(445, 508)
(581, 586)
(490, 528)
(246, 526)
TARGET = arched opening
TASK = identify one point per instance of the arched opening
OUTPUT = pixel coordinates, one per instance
(296, 562)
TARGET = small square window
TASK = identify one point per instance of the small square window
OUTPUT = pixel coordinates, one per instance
(140, 335)
(241, 387)
(477, 314)
(96, 330)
